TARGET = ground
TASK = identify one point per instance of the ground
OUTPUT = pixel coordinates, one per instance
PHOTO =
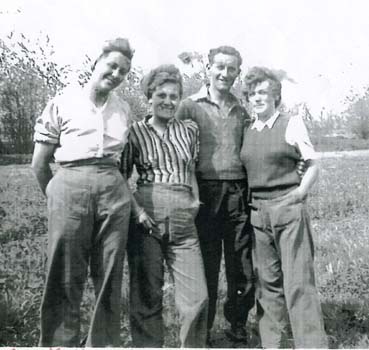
(339, 209)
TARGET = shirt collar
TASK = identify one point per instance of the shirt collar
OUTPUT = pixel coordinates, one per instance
(149, 116)
(86, 90)
(259, 125)
(204, 95)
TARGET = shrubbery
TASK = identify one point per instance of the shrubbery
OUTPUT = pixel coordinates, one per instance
(28, 78)
(358, 115)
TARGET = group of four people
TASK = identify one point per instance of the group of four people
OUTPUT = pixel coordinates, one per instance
(192, 202)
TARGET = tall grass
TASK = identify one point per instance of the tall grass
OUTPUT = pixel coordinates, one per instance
(339, 208)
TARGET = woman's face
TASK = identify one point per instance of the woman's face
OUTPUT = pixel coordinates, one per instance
(262, 100)
(165, 100)
(110, 71)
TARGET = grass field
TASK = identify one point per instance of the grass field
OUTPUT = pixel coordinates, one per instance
(339, 208)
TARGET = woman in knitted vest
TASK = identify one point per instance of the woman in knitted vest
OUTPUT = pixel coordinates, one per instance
(283, 246)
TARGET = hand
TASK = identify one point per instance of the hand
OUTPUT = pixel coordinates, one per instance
(301, 168)
(146, 221)
(196, 206)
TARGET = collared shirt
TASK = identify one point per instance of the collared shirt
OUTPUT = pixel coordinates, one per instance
(296, 134)
(80, 130)
(167, 158)
(221, 134)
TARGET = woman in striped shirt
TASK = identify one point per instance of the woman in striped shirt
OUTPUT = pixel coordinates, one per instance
(164, 151)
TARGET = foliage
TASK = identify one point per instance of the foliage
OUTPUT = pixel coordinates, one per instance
(338, 143)
(193, 81)
(358, 114)
(28, 78)
(130, 91)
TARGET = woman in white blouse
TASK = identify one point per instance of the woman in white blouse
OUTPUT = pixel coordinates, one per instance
(85, 130)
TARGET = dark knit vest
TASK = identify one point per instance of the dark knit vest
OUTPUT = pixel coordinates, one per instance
(269, 160)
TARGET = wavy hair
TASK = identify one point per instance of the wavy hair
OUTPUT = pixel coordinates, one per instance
(257, 75)
(165, 73)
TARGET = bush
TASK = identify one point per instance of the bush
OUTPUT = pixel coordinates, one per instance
(28, 79)
(358, 115)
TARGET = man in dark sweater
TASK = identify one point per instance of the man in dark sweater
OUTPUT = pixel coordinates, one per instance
(223, 219)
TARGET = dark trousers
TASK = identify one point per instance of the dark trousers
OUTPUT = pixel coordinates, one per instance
(223, 223)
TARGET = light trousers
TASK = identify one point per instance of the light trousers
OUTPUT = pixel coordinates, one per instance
(283, 256)
(174, 240)
(88, 212)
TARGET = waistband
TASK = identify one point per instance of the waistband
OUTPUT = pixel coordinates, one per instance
(215, 181)
(106, 162)
(273, 193)
(165, 186)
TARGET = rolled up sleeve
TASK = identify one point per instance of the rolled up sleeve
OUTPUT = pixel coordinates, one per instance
(47, 127)
(298, 136)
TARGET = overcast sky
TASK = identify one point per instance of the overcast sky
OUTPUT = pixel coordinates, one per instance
(323, 45)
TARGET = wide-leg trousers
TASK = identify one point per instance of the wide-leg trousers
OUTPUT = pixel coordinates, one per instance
(88, 212)
(174, 240)
(283, 256)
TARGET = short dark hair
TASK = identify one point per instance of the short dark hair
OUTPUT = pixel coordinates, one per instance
(119, 44)
(165, 73)
(226, 50)
(257, 75)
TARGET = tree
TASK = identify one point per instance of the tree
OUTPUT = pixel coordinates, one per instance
(132, 93)
(28, 79)
(358, 114)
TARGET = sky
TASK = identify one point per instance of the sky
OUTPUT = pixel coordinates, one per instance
(323, 45)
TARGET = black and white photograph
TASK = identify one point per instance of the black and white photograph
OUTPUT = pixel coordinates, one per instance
(184, 174)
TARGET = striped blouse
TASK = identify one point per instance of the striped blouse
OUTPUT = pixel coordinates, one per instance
(169, 158)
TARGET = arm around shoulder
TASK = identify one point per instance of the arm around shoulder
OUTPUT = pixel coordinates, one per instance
(186, 110)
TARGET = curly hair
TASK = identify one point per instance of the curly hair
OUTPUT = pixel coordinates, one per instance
(257, 75)
(226, 50)
(120, 45)
(165, 73)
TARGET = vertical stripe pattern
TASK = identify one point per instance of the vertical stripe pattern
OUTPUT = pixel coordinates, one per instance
(168, 158)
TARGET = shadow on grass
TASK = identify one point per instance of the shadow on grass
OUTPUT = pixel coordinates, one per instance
(347, 324)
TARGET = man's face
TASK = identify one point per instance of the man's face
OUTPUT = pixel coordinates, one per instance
(223, 72)
(262, 100)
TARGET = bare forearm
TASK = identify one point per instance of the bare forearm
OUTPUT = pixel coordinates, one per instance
(43, 175)
(309, 178)
(42, 155)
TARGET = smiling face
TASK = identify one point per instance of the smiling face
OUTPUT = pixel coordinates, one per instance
(262, 100)
(223, 72)
(110, 71)
(165, 100)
